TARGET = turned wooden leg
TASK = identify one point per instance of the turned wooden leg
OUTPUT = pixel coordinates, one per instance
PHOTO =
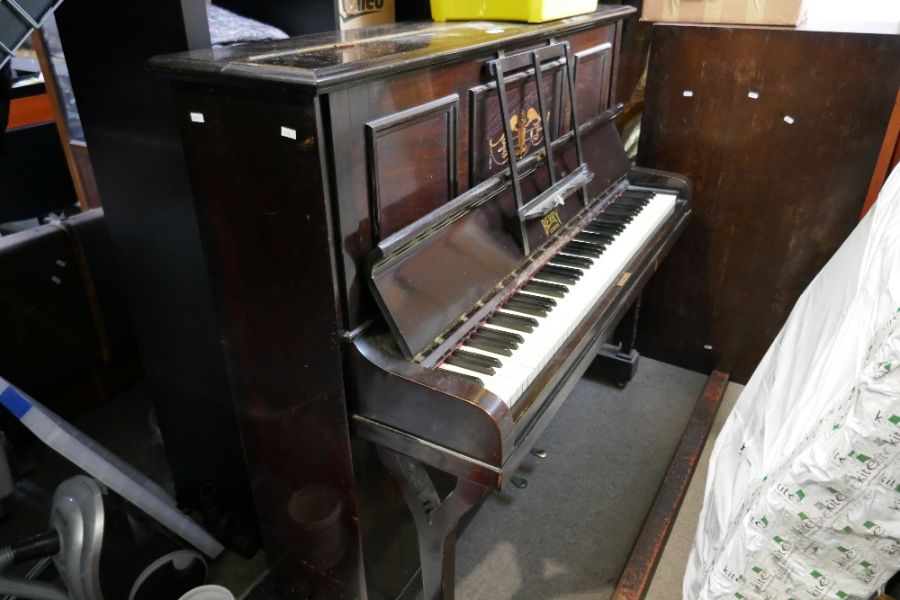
(435, 519)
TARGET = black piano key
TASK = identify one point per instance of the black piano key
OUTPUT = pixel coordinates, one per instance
(548, 289)
(506, 337)
(489, 346)
(532, 301)
(555, 278)
(488, 361)
(602, 235)
(635, 207)
(583, 249)
(528, 309)
(612, 222)
(523, 324)
(582, 253)
(536, 301)
(614, 219)
(467, 377)
(576, 273)
(635, 202)
(593, 240)
(612, 228)
(616, 211)
(464, 363)
(596, 236)
(634, 193)
(573, 261)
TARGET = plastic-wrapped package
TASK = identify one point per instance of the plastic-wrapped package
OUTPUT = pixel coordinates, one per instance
(803, 494)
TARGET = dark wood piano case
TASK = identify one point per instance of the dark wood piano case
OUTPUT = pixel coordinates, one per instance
(303, 155)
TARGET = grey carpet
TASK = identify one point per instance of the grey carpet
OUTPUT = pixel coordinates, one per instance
(568, 534)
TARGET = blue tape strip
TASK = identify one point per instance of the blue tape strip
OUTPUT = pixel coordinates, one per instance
(13, 400)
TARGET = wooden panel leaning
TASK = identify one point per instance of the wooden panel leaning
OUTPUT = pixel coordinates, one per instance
(779, 129)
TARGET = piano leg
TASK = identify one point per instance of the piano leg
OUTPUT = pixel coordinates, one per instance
(617, 361)
(435, 519)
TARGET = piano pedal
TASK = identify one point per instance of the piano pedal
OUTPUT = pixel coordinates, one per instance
(539, 452)
(519, 482)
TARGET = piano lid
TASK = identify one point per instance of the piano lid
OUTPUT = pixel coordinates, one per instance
(338, 58)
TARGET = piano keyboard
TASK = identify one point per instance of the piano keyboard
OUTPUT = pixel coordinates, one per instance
(510, 348)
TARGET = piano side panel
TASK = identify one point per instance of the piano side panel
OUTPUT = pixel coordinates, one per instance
(253, 155)
(352, 109)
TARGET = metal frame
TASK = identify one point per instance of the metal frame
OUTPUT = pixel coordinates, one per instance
(559, 189)
(32, 22)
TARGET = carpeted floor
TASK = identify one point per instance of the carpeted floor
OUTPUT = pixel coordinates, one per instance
(568, 534)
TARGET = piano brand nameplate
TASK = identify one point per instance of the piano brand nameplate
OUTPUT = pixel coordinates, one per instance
(551, 222)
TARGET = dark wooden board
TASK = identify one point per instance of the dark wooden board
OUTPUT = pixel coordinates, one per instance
(773, 200)
(648, 549)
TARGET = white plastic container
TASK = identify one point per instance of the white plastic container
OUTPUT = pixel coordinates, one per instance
(208, 592)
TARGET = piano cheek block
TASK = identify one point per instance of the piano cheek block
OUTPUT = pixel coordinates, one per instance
(424, 403)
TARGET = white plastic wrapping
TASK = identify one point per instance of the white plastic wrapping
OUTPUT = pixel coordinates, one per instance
(803, 494)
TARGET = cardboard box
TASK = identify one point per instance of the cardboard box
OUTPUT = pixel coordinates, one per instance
(365, 13)
(735, 12)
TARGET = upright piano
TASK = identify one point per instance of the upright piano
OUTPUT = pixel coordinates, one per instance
(419, 236)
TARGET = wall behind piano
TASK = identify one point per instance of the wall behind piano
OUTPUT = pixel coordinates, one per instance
(779, 130)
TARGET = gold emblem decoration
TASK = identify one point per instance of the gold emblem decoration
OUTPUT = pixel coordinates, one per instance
(551, 222)
(528, 130)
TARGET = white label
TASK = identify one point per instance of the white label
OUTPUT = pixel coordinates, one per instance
(60, 262)
(56, 280)
(197, 117)
(289, 133)
(789, 119)
(753, 95)
(687, 93)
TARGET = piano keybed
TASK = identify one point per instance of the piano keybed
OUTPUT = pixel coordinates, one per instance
(507, 350)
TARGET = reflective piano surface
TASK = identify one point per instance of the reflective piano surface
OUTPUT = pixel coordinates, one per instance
(384, 285)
